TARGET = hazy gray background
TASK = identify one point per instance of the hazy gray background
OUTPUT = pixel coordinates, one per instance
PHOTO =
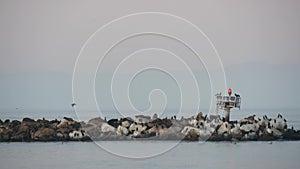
(258, 43)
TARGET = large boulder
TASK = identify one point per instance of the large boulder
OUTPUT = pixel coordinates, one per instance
(122, 131)
(160, 122)
(54, 123)
(291, 134)
(30, 123)
(5, 133)
(23, 134)
(43, 123)
(62, 134)
(93, 132)
(6, 122)
(14, 125)
(98, 121)
(66, 123)
(191, 135)
(172, 133)
(106, 128)
(45, 134)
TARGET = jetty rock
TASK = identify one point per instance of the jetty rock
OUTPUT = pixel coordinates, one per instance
(195, 128)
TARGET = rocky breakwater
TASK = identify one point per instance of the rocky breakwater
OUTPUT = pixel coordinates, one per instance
(195, 128)
(41, 130)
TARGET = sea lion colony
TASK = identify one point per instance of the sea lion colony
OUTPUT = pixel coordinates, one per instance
(195, 128)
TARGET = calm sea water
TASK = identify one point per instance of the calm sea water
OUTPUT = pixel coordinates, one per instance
(73, 155)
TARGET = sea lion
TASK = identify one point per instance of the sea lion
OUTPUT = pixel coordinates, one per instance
(224, 128)
(199, 116)
(113, 122)
(68, 118)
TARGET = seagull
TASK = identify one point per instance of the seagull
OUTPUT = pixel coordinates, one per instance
(73, 104)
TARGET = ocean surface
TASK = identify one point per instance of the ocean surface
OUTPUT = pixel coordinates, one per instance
(212, 155)
(152, 154)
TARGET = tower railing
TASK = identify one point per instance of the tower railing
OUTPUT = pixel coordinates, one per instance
(226, 102)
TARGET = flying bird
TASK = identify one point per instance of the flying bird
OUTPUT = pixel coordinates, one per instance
(73, 104)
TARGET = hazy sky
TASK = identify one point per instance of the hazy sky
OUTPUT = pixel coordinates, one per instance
(258, 43)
